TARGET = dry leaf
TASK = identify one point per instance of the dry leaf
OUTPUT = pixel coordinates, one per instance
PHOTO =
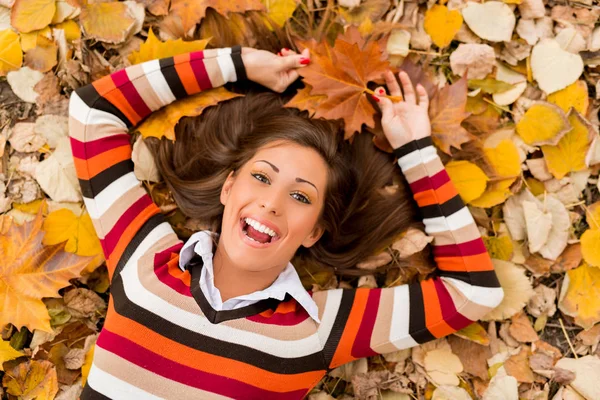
(11, 55)
(109, 22)
(31, 15)
(446, 392)
(443, 365)
(32, 380)
(7, 352)
(282, 10)
(413, 241)
(543, 123)
(554, 68)
(22, 82)
(587, 375)
(477, 60)
(492, 20)
(502, 387)
(575, 95)
(521, 328)
(442, 24)
(580, 295)
(23, 137)
(57, 176)
(559, 233)
(144, 166)
(62, 225)
(153, 48)
(538, 224)
(469, 179)
(304, 100)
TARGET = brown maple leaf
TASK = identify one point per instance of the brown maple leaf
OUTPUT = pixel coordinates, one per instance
(447, 111)
(304, 100)
(188, 13)
(341, 73)
(31, 271)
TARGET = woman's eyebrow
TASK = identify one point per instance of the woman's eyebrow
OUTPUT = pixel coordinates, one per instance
(297, 179)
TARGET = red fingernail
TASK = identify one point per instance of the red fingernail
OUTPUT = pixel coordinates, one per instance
(375, 98)
(279, 54)
(381, 91)
(286, 49)
(304, 61)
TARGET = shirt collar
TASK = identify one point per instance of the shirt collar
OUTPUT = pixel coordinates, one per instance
(288, 280)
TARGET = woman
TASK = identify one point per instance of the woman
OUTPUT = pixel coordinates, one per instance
(183, 324)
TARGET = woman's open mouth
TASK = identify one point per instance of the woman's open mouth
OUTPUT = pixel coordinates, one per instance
(255, 238)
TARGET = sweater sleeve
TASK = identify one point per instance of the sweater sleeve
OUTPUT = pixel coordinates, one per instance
(363, 322)
(100, 115)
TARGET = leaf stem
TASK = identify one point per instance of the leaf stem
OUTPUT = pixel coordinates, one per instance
(567, 336)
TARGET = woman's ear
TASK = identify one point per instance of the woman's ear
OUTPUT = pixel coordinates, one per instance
(314, 236)
(226, 189)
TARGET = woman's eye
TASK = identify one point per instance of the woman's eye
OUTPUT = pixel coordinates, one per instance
(302, 198)
(261, 175)
(305, 199)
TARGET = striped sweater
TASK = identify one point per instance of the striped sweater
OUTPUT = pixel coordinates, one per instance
(162, 339)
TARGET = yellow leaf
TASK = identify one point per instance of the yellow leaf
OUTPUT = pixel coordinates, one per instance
(592, 215)
(475, 333)
(535, 187)
(153, 48)
(469, 179)
(162, 123)
(31, 15)
(11, 56)
(87, 364)
(34, 379)
(7, 352)
(62, 225)
(543, 123)
(442, 24)
(590, 247)
(30, 271)
(569, 154)
(575, 95)
(499, 247)
(580, 295)
(504, 158)
(108, 22)
(496, 193)
(32, 207)
(280, 10)
(43, 57)
(71, 28)
(31, 40)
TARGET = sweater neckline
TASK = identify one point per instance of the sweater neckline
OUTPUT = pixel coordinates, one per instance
(194, 266)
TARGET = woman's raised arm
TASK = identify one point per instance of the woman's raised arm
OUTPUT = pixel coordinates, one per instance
(100, 115)
(361, 322)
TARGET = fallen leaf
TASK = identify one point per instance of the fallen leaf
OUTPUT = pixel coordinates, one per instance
(502, 387)
(554, 68)
(108, 22)
(52, 128)
(538, 223)
(517, 80)
(144, 166)
(580, 295)
(517, 290)
(22, 82)
(304, 100)
(517, 365)
(442, 24)
(413, 241)
(11, 55)
(162, 122)
(31, 15)
(7, 352)
(153, 48)
(587, 375)
(543, 123)
(280, 10)
(559, 233)
(32, 380)
(575, 95)
(62, 225)
(474, 59)
(43, 57)
(443, 365)
(569, 153)
(469, 180)
(521, 328)
(492, 20)
(56, 175)
(499, 247)
(24, 138)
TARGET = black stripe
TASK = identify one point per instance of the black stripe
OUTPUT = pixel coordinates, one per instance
(338, 326)
(236, 57)
(195, 266)
(487, 279)
(416, 326)
(406, 148)
(208, 344)
(424, 142)
(167, 67)
(443, 210)
(90, 188)
(92, 99)
(90, 394)
(140, 235)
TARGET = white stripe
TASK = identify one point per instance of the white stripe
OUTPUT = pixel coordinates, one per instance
(399, 335)
(332, 306)
(114, 388)
(88, 116)
(459, 219)
(226, 64)
(139, 295)
(110, 194)
(428, 153)
(485, 296)
(158, 82)
(410, 160)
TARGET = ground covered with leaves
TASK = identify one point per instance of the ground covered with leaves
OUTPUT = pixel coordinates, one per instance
(514, 88)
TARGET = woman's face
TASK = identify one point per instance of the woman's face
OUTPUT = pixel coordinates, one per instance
(282, 186)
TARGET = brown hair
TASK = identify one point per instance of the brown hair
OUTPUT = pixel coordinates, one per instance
(359, 217)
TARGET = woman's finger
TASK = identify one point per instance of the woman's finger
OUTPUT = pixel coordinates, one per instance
(295, 61)
(423, 96)
(392, 83)
(385, 105)
(407, 87)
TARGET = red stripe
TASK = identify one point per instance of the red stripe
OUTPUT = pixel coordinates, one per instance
(163, 275)
(112, 237)
(134, 99)
(164, 256)
(452, 317)
(192, 377)
(432, 182)
(362, 344)
(201, 75)
(282, 319)
(470, 248)
(85, 150)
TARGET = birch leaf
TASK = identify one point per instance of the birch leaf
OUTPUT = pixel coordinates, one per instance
(79, 233)
(559, 233)
(34, 379)
(517, 290)
(575, 95)
(153, 48)
(590, 246)
(580, 295)
(543, 123)
(11, 55)
(442, 24)
(554, 68)
(469, 179)
(538, 225)
(7, 352)
(492, 20)
(32, 15)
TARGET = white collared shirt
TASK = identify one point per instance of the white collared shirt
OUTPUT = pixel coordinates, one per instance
(288, 280)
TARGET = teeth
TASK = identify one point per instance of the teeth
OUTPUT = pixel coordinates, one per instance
(260, 227)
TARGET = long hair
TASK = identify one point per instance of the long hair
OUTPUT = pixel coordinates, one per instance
(359, 217)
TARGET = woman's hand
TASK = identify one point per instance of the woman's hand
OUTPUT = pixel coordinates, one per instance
(273, 71)
(405, 120)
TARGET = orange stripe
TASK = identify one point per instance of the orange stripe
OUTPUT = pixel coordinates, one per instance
(344, 349)
(282, 308)
(129, 233)
(426, 198)
(477, 262)
(176, 272)
(186, 73)
(207, 362)
(439, 196)
(104, 85)
(117, 98)
(88, 168)
(434, 320)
